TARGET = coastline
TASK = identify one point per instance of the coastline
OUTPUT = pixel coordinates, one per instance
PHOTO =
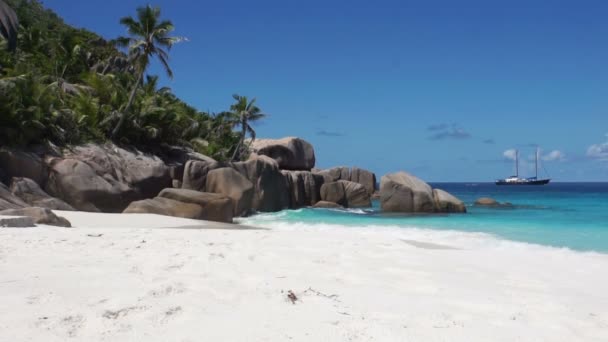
(107, 282)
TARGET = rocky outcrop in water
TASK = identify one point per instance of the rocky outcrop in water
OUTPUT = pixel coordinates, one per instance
(327, 205)
(355, 174)
(347, 194)
(405, 193)
(304, 188)
(271, 190)
(492, 203)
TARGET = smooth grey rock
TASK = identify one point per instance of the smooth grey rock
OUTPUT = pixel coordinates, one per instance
(34, 196)
(486, 201)
(17, 222)
(232, 184)
(39, 215)
(304, 188)
(271, 192)
(365, 178)
(327, 205)
(195, 174)
(347, 194)
(448, 203)
(8, 200)
(290, 153)
(167, 207)
(402, 192)
(215, 207)
(335, 174)
(106, 177)
(23, 164)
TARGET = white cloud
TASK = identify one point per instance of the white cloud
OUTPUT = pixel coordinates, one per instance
(554, 155)
(510, 154)
(598, 151)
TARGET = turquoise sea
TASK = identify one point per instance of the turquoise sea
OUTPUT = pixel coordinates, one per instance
(568, 215)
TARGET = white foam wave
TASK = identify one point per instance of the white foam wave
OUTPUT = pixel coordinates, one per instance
(449, 238)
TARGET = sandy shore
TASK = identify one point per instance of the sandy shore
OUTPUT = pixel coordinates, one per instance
(117, 278)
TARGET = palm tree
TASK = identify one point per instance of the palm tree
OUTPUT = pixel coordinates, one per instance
(8, 25)
(243, 112)
(149, 37)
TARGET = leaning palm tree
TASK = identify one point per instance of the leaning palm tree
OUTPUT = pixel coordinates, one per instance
(8, 25)
(148, 38)
(243, 112)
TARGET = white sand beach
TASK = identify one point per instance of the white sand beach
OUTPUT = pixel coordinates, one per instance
(121, 278)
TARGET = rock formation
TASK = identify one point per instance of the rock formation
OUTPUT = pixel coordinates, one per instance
(327, 205)
(39, 216)
(187, 204)
(230, 183)
(8, 200)
(402, 192)
(304, 188)
(355, 174)
(347, 194)
(271, 192)
(30, 192)
(290, 153)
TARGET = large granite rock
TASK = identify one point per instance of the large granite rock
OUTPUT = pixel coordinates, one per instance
(271, 191)
(334, 192)
(78, 184)
(39, 215)
(347, 194)
(229, 182)
(487, 201)
(23, 164)
(106, 177)
(402, 192)
(327, 205)
(492, 203)
(16, 222)
(448, 203)
(365, 178)
(355, 174)
(147, 174)
(335, 174)
(195, 174)
(216, 207)
(177, 157)
(290, 153)
(31, 193)
(166, 207)
(304, 188)
(187, 204)
(8, 200)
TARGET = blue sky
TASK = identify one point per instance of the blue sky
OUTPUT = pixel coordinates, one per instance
(443, 89)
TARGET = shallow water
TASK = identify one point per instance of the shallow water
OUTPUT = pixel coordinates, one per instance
(571, 215)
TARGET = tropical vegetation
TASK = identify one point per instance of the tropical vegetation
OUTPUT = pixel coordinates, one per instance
(63, 85)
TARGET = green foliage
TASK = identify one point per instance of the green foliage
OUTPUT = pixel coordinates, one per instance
(66, 86)
(242, 113)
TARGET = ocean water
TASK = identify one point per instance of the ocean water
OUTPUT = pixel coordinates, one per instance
(563, 215)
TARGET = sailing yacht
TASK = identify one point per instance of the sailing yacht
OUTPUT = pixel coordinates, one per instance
(516, 180)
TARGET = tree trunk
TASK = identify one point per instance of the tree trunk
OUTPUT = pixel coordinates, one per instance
(123, 115)
(241, 140)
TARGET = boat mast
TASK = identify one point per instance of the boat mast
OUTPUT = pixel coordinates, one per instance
(517, 163)
(536, 162)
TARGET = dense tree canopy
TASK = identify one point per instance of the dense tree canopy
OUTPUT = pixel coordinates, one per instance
(66, 86)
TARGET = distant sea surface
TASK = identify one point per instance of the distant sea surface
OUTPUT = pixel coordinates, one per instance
(563, 215)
